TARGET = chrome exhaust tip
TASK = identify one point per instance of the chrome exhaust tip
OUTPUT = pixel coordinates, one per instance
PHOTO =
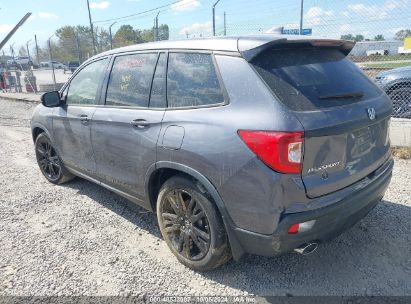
(307, 248)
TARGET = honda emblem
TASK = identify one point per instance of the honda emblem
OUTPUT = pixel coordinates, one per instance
(371, 113)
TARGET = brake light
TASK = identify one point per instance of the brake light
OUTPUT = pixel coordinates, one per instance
(281, 151)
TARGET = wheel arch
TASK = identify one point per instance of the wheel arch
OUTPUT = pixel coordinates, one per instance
(164, 170)
(36, 130)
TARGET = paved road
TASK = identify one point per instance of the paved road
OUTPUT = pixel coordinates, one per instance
(80, 239)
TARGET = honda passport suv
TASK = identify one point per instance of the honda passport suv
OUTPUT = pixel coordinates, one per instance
(258, 145)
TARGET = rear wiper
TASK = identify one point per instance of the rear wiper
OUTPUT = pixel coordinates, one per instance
(343, 95)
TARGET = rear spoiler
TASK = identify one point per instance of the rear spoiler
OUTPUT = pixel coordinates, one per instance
(250, 49)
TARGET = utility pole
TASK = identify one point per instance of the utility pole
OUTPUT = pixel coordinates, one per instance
(301, 17)
(51, 62)
(27, 47)
(91, 27)
(225, 25)
(9, 35)
(37, 50)
(214, 16)
(78, 49)
(156, 25)
(111, 36)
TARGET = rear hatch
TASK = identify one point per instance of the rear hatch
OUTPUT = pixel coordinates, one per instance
(344, 115)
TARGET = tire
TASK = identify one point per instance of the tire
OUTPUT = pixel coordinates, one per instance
(191, 225)
(401, 101)
(49, 162)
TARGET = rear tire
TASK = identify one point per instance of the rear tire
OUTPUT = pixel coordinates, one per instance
(49, 162)
(191, 225)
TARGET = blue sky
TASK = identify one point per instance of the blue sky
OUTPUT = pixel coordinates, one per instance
(193, 17)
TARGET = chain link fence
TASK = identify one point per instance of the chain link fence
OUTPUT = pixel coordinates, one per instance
(381, 29)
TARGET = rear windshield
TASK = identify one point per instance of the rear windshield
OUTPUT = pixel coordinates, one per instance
(312, 78)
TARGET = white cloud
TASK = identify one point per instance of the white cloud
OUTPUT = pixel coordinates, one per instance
(6, 28)
(197, 28)
(45, 15)
(185, 5)
(376, 12)
(317, 16)
(99, 5)
(369, 11)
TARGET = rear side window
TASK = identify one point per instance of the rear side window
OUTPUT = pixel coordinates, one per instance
(192, 81)
(130, 80)
(312, 78)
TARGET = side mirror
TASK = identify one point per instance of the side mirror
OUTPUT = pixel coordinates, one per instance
(51, 99)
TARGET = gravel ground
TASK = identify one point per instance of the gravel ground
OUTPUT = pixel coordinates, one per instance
(80, 239)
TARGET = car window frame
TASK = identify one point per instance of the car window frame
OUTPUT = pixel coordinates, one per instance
(224, 92)
(107, 79)
(164, 82)
(100, 86)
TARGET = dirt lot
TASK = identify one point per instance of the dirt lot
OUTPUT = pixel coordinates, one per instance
(80, 239)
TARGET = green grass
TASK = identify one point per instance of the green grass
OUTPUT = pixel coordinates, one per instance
(387, 65)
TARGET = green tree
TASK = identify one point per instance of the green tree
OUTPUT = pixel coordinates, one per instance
(379, 38)
(163, 32)
(400, 35)
(126, 35)
(147, 35)
(347, 37)
(358, 38)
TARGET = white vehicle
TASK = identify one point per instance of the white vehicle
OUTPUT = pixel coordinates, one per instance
(20, 61)
(401, 50)
(56, 64)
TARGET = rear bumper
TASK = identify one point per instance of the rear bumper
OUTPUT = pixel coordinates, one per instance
(330, 221)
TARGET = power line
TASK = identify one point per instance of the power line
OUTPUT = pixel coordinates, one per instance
(143, 12)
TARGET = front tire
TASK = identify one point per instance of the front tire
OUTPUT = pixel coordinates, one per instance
(49, 162)
(191, 225)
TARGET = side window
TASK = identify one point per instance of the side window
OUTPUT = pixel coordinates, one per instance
(130, 80)
(192, 81)
(84, 86)
(157, 97)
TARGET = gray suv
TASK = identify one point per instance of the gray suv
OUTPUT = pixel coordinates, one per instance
(258, 145)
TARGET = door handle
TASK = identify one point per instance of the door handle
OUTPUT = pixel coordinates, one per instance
(84, 118)
(140, 123)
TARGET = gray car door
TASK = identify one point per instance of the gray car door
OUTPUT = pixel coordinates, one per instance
(125, 131)
(72, 122)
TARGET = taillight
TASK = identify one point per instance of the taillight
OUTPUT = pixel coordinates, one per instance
(281, 151)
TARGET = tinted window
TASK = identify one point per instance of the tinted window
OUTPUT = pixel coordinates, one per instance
(130, 80)
(192, 81)
(158, 98)
(83, 87)
(308, 78)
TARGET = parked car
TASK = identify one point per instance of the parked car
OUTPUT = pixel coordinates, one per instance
(20, 62)
(72, 66)
(397, 84)
(56, 64)
(257, 145)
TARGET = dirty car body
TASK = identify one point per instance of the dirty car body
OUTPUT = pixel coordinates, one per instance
(290, 150)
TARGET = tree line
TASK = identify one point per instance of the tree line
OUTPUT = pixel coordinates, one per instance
(75, 43)
(400, 35)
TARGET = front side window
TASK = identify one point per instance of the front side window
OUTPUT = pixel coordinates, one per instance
(130, 80)
(192, 81)
(84, 86)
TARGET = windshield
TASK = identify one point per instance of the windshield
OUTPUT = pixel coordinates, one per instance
(310, 78)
